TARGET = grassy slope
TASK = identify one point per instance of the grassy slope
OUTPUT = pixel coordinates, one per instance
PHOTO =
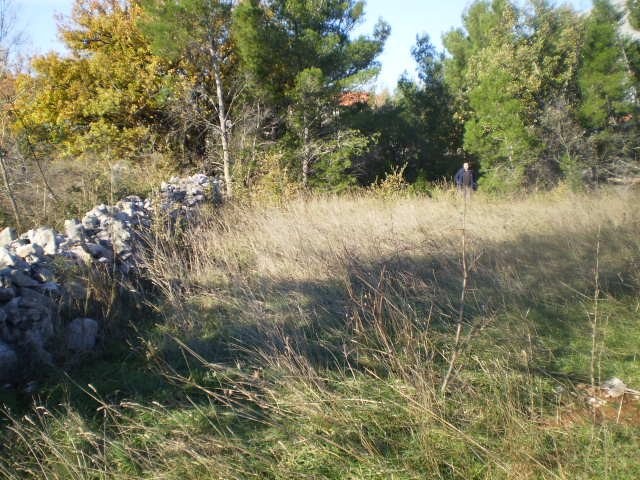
(311, 342)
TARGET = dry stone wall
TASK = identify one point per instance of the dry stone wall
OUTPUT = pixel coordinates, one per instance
(108, 234)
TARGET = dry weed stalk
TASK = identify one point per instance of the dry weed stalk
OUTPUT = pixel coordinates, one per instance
(594, 316)
(463, 291)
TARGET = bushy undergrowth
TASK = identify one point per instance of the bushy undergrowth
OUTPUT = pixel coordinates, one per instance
(311, 341)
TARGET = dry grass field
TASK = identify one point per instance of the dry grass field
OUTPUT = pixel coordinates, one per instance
(312, 340)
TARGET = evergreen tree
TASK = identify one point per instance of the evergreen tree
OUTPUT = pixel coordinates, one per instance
(505, 66)
(608, 82)
(432, 137)
(634, 13)
(604, 75)
(433, 101)
(299, 57)
(397, 138)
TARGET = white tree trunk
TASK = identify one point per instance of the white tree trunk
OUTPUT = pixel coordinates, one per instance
(224, 131)
(7, 186)
(305, 158)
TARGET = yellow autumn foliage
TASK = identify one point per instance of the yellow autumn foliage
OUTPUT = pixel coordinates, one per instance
(106, 97)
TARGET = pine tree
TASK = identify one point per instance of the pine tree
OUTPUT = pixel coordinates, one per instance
(505, 66)
(634, 13)
(427, 110)
(608, 82)
(299, 57)
(604, 75)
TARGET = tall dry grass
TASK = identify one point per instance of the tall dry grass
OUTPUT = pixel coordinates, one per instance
(310, 238)
(265, 258)
(310, 341)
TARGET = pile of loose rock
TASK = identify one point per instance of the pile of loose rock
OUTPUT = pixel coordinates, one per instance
(188, 192)
(30, 291)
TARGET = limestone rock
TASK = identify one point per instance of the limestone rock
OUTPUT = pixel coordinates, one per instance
(6, 294)
(613, 387)
(33, 260)
(40, 332)
(183, 194)
(90, 221)
(46, 238)
(81, 334)
(32, 299)
(107, 234)
(96, 250)
(7, 235)
(8, 361)
(119, 236)
(21, 279)
(80, 255)
(74, 230)
(29, 250)
(42, 274)
(6, 258)
(595, 402)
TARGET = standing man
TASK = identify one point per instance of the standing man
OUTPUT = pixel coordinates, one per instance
(465, 180)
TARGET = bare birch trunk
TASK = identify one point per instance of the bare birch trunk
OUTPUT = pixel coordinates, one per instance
(224, 131)
(7, 186)
(305, 158)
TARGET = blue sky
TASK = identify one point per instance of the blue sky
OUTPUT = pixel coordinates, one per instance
(407, 18)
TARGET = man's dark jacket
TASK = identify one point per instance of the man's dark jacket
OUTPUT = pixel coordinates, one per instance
(465, 178)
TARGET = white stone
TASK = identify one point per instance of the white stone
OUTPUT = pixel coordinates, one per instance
(81, 255)
(23, 251)
(614, 387)
(7, 236)
(6, 259)
(90, 221)
(595, 402)
(74, 230)
(46, 238)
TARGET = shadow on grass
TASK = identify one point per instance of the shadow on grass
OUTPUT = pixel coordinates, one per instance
(532, 294)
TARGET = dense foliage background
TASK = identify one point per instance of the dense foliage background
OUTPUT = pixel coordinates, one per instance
(275, 96)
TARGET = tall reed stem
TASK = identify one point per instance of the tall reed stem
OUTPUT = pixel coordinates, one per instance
(465, 275)
(594, 317)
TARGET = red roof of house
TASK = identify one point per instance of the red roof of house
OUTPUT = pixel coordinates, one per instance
(348, 99)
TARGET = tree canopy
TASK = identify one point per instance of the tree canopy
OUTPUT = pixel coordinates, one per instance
(107, 96)
(280, 92)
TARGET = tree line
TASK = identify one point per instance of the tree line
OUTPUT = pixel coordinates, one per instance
(275, 96)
